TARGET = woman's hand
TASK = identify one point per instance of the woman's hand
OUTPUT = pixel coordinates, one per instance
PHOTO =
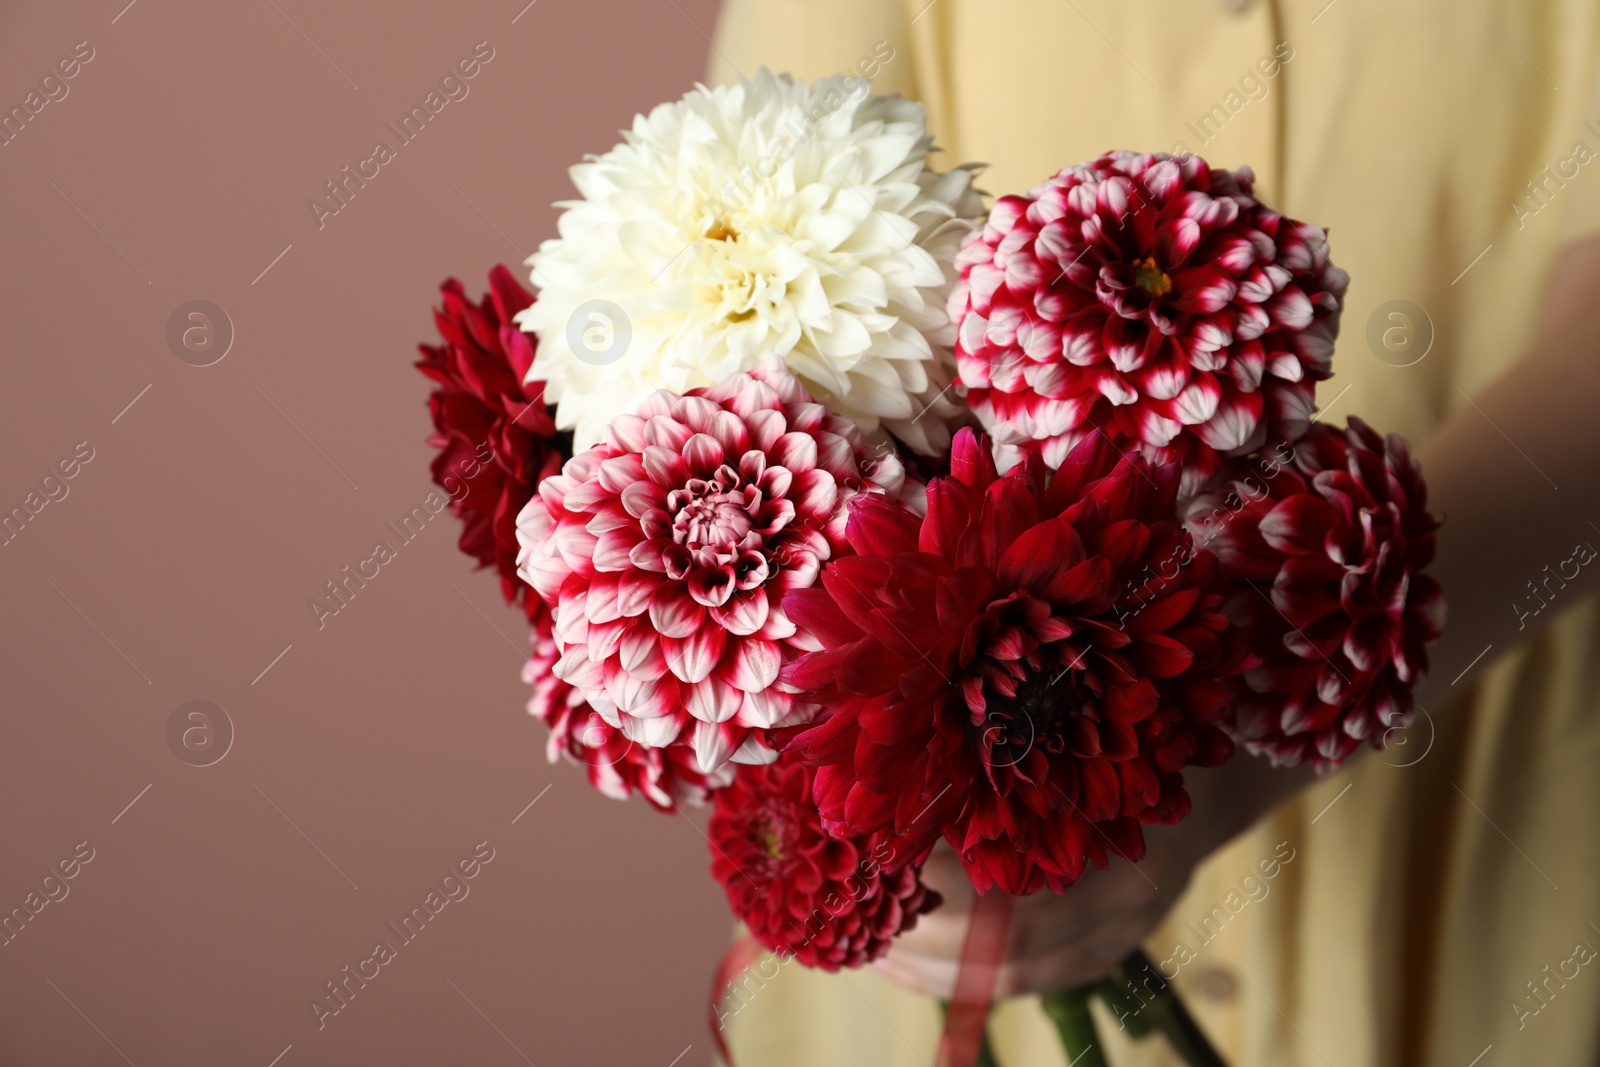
(1058, 942)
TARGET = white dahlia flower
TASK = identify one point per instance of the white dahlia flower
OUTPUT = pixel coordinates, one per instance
(769, 218)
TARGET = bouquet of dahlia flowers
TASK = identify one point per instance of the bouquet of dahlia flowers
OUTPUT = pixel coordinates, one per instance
(871, 516)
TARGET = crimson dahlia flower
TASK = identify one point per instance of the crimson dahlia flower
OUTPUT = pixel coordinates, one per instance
(1150, 296)
(496, 439)
(665, 552)
(1322, 558)
(1001, 673)
(825, 901)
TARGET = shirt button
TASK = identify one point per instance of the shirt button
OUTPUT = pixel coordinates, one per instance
(1217, 984)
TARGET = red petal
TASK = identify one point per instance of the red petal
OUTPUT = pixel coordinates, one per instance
(1163, 614)
(1090, 582)
(1300, 524)
(1099, 791)
(1035, 558)
(879, 527)
(1129, 702)
(1160, 657)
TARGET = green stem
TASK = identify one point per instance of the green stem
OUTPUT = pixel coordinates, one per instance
(985, 1051)
(1069, 1010)
(1168, 1014)
(1113, 993)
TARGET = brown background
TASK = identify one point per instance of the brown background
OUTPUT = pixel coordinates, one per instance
(181, 561)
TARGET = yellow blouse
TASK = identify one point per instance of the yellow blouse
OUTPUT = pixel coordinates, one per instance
(1440, 902)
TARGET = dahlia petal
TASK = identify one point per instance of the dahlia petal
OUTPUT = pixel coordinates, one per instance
(703, 453)
(1290, 309)
(1163, 614)
(816, 614)
(1198, 401)
(815, 494)
(1089, 582)
(639, 653)
(1081, 337)
(1234, 423)
(1286, 366)
(664, 431)
(714, 743)
(579, 671)
(642, 699)
(1299, 524)
(765, 709)
(1099, 791)
(665, 467)
(1129, 702)
(865, 811)
(778, 626)
(711, 700)
(652, 733)
(673, 612)
(1032, 560)
(1160, 656)
(818, 671)
(647, 557)
(1141, 788)
(712, 586)
(691, 659)
(1203, 290)
(730, 432)
(613, 550)
(754, 664)
(879, 527)
(1176, 239)
(795, 451)
(634, 590)
(604, 638)
(742, 614)
(754, 753)
(1302, 716)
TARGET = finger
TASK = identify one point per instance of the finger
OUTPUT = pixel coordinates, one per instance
(921, 976)
(1079, 962)
(1038, 923)
(1047, 920)
(936, 934)
(1085, 960)
(930, 976)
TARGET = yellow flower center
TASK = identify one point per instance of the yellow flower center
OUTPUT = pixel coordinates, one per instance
(1151, 278)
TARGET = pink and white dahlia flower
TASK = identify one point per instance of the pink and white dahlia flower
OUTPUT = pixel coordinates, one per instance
(1153, 298)
(666, 551)
(615, 765)
(1322, 558)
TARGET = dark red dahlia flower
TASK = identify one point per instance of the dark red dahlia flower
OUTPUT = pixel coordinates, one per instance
(1003, 673)
(665, 552)
(1321, 554)
(616, 766)
(495, 436)
(827, 902)
(1149, 296)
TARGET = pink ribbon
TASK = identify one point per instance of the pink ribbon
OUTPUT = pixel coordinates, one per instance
(740, 955)
(981, 954)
